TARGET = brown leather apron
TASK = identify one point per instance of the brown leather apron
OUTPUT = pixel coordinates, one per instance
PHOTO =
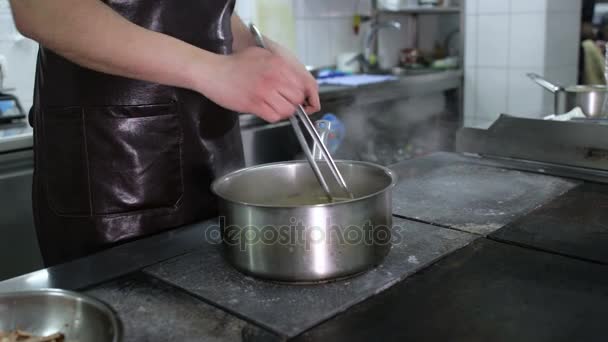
(116, 158)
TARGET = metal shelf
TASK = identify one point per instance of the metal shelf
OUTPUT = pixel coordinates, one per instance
(423, 10)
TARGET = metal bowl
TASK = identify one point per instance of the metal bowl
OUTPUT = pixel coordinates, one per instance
(45, 312)
(277, 225)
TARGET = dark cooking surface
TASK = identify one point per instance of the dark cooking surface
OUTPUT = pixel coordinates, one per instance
(153, 311)
(574, 224)
(487, 291)
(291, 309)
(454, 191)
(475, 289)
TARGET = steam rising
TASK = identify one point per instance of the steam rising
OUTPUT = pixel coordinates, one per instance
(389, 132)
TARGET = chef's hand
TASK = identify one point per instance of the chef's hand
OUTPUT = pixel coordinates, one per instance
(313, 103)
(267, 84)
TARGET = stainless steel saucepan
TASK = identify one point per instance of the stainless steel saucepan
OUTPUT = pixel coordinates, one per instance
(590, 98)
(278, 224)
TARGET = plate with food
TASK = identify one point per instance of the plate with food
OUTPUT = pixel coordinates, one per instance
(23, 336)
(53, 315)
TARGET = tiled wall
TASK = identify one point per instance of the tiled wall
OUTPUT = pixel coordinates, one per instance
(504, 40)
(20, 54)
(323, 29)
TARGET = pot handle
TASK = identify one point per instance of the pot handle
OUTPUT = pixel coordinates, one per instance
(544, 83)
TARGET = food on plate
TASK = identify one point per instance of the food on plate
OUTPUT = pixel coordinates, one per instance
(22, 336)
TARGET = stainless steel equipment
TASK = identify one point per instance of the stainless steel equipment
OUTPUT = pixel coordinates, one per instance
(301, 114)
(573, 149)
(590, 98)
(276, 223)
(260, 141)
(18, 241)
(10, 108)
(45, 312)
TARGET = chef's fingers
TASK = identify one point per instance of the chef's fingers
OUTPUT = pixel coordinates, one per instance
(293, 95)
(267, 112)
(292, 88)
(280, 105)
(313, 102)
(304, 83)
(309, 109)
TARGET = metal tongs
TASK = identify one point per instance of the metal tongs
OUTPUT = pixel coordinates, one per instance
(301, 114)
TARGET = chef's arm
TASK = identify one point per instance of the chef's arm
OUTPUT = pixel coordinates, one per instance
(91, 34)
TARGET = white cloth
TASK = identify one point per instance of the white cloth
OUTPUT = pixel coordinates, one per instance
(573, 114)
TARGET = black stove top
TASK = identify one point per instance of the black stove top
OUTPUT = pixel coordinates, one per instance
(488, 291)
(541, 276)
(575, 224)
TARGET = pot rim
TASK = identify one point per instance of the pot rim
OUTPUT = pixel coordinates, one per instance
(582, 88)
(215, 184)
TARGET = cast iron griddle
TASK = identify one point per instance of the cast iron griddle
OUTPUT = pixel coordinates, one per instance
(292, 309)
(455, 191)
(153, 311)
(487, 291)
(574, 224)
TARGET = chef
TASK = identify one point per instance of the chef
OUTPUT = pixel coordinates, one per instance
(135, 113)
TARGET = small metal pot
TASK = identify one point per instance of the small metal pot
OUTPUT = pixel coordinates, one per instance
(276, 226)
(590, 98)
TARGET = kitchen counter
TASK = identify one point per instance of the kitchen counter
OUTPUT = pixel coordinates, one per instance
(405, 86)
(335, 96)
(18, 241)
(450, 275)
(16, 136)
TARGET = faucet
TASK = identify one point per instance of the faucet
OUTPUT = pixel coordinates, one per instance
(448, 41)
(365, 58)
(372, 35)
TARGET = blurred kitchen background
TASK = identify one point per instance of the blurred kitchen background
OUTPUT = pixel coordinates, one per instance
(431, 66)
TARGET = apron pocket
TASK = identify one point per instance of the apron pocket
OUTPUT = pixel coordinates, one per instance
(134, 158)
(64, 165)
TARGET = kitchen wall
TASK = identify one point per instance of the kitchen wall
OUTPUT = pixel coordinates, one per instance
(432, 30)
(504, 40)
(322, 28)
(20, 55)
